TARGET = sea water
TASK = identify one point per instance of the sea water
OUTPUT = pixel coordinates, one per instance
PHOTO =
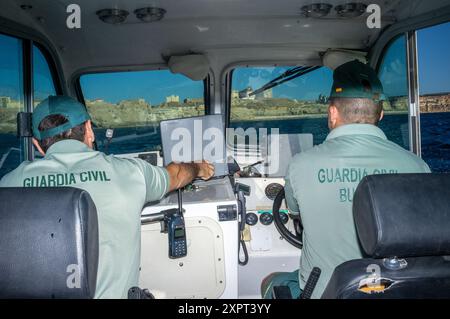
(435, 131)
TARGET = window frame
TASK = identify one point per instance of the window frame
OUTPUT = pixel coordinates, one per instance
(412, 73)
(414, 35)
(380, 46)
(80, 96)
(27, 44)
(206, 82)
(412, 129)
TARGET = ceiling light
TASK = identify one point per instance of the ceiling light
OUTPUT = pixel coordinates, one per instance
(202, 28)
(351, 10)
(316, 10)
(112, 16)
(150, 14)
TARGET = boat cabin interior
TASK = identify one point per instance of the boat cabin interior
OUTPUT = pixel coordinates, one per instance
(250, 79)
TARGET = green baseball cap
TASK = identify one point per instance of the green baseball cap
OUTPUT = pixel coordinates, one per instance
(357, 80)
(71, 109)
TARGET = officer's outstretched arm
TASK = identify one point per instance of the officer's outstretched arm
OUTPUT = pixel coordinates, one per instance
(183, 173)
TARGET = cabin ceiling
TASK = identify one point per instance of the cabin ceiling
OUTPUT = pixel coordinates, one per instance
(226, 30)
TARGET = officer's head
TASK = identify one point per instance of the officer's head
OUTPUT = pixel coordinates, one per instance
(356, 96)
(60, 118)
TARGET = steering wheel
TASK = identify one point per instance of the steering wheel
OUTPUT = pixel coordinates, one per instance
(293, 239)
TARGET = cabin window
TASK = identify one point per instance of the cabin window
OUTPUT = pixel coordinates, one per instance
(434, 84)
(42, 77)
(11, 102)
(393, 75)
(298, 105)
(133, 104)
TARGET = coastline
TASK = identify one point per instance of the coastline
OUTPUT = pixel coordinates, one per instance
(139, 114)
(11, 129)
(305, 116)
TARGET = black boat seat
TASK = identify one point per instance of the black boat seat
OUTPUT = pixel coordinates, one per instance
(403, 224)
(48, 243)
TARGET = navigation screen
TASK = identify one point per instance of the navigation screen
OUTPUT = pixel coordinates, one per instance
(193, 139)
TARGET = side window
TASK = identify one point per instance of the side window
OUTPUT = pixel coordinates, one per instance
(133, 104)
(299, 105)
(11, 102)
(42, 78)
(393, 75)
(434, 84)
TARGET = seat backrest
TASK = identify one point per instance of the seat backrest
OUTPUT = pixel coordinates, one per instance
(48, 243)
(403, 224)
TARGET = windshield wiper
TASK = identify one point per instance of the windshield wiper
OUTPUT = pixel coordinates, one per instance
(289, 75)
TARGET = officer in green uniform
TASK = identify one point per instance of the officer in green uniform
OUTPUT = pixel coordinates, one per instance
(119, 187)
(320, 183)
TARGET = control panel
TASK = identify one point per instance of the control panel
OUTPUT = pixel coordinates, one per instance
(267, 250)
(263, 193)
(203, 249)
(264, 217)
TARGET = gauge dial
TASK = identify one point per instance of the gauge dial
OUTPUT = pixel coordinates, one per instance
(266, 218)
(251, 219)
(272, 190)
(284, 218)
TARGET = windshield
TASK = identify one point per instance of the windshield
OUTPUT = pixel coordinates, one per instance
(134, 103)
(288, 75)
(302, 97)
(297, 106)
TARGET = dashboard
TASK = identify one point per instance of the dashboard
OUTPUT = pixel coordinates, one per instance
(268, 251)
(259, 203)
(214, 228)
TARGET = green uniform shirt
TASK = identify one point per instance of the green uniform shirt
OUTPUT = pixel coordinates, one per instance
(119, 189)
(320, 184)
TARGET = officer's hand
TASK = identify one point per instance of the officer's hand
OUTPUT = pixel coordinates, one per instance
(205, 170)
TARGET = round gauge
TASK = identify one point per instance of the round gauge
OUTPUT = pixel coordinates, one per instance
(284, 218)
(272, 190)
(266, 218)
(251, 219)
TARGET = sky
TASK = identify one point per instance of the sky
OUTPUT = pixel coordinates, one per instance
(434, 59)
(154, 86)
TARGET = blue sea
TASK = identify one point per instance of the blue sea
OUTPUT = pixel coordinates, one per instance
(435, 137)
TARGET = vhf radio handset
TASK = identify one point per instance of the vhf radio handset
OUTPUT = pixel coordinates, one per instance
(172, 223)
(176, 231)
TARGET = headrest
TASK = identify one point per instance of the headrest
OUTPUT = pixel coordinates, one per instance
(404, 215)
(48, 243)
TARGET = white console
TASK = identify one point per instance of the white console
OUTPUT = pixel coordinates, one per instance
(268, 251)
(210, 269)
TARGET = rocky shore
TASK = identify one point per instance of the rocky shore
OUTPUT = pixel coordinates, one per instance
(435, 103)
(139, 112)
